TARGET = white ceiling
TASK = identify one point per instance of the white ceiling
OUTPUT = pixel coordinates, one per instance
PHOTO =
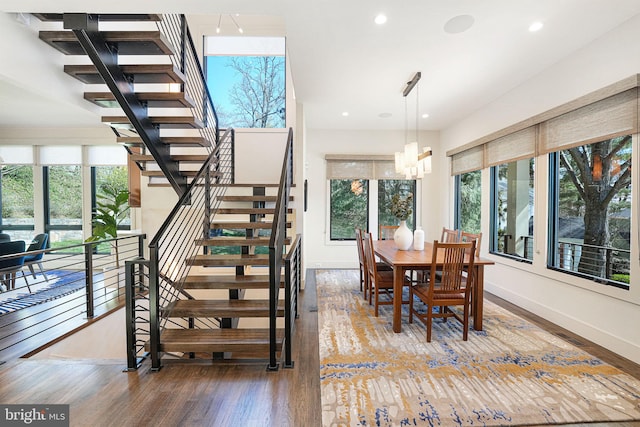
(342, 61)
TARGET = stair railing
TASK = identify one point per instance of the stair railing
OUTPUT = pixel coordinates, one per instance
(277, 246)
(175, 28)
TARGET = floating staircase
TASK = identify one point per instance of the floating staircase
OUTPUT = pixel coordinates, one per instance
(223, 306)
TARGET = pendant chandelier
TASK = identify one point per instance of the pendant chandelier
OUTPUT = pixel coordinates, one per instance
(411, 162)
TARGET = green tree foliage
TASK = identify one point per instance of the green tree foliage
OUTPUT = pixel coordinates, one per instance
(387, 188)
(17, 192)
(349, 209)
(65, 186)
(470, 201)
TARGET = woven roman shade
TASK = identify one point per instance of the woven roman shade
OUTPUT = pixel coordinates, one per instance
(361, 167)
(467, 161)
(516, 146)
(604, 119)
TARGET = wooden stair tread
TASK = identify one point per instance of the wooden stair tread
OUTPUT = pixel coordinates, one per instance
(238, 241)
(153, 99)
(129, 42)
(186, 158)
(142, 73)
(243, 225)
(222, 308)
(183, 141)
(159, 173)
(228, 260)
(228, 282)
(169, 122)
(218, 340)
(250, 211)
(249, 198)
(110, 17)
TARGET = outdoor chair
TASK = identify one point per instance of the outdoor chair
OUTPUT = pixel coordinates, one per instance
(39, 243)
(10, 267)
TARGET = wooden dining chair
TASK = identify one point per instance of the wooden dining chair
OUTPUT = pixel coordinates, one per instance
(468, 237)
(385, 232)
(380, 281)
(450, 235)
(449, 288)
(364, 278)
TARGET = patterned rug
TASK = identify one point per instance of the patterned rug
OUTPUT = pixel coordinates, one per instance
(61, 283)
(511, 373)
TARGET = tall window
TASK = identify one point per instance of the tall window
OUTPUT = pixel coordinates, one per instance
(386, 190)
(349, 208)
(246, 79)
(114, 178)
(591, 210)
(63, 204)
(468, 202)
(16, 200)
(512, 209)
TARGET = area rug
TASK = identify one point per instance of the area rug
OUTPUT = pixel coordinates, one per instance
(511, 373)
(61, 283)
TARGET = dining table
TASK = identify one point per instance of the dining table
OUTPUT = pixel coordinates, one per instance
(406, 260)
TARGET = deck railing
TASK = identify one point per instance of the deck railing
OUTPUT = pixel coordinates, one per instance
(71, 284)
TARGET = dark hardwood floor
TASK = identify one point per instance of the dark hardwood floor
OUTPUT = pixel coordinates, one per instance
(184, 393)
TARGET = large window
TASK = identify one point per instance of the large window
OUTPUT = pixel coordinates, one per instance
(110, 180)
(512, 209)
(468, 202)
(246, 80)
(349, 208)
(591, 210)
(63, 204)
(16, 200)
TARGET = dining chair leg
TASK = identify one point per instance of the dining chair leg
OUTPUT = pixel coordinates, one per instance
(429, 322)
(43, 273)
(410, 304)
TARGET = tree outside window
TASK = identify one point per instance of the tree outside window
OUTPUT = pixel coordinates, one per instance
(248, 91)
(468, 202)
(387, 188)
(16, 199)
(349, 205)
(592, 209)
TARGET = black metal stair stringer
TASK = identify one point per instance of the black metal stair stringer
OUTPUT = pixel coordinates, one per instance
(85, 27)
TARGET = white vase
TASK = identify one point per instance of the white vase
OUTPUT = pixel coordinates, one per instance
(418, 239)
(403, 236)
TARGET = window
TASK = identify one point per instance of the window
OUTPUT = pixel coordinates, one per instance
(590, 210)
(468, 202)
(16, 201)
(349, 207)
(114, 178)
(386, 189)
(512, 209)
(63, 204)
(246, 79)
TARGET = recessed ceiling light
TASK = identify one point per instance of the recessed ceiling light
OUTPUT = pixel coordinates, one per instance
(459, 24)
(536, 26)
(425, 115)
(384, 115)
(345, 113)
(380, 19)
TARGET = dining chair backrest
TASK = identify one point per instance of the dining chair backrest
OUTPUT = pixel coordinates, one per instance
(386, 232)
(4, 237)
(468, 237)
(37, 244)
(10, 248)
(369, 260)
(450, 235)
(451, 256)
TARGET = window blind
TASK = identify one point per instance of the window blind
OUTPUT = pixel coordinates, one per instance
(516, 146)
(467, 161)
(604, 119)
(361, 167)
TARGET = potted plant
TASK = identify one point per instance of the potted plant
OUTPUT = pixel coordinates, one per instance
(402, 209)
(111, 210)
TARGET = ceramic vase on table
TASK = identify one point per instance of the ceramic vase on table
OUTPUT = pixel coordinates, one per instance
(403, 237)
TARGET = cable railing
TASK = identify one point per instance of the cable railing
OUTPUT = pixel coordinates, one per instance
(68, 285)
(175, 28)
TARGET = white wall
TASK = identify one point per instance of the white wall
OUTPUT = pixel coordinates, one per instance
(605, 315)
(319, 251)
